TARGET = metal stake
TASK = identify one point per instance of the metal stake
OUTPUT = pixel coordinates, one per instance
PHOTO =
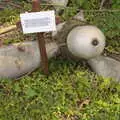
(41, 41)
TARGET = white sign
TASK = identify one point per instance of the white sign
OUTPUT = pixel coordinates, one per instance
(38, 22)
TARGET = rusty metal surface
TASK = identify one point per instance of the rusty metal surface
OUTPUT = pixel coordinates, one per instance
(41, 42)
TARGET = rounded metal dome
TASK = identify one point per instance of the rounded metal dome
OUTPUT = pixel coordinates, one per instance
(86, 41)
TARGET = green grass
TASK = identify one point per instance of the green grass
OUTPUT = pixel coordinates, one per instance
(70, 92)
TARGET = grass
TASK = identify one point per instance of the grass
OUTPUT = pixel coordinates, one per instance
(71, 91)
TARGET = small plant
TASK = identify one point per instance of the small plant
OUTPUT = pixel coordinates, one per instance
(9, 16)
(70, 92)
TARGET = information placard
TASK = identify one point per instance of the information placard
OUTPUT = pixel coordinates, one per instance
(38, 22)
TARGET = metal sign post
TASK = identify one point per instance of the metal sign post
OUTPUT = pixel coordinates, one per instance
(41, 41)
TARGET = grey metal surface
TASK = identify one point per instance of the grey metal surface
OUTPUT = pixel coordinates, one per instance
(106, 67)
(21, 58)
